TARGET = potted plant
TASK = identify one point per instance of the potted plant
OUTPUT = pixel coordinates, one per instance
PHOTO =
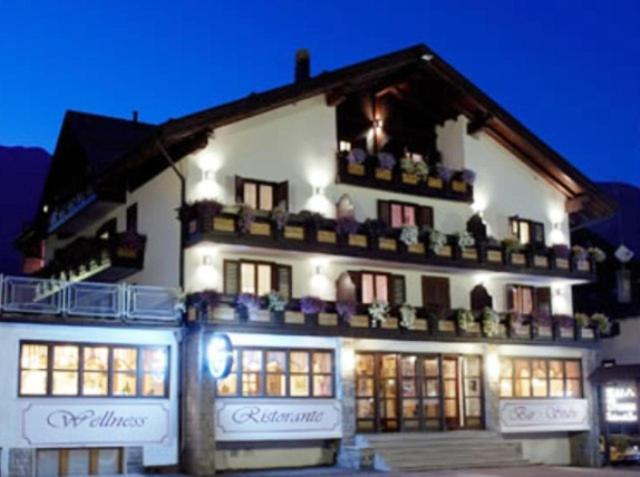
(408, 316)
(311, 306)
(201, 306)
(439, 244)
(413, 169)
(543, 326)
(410, 240)
(597, 254)
(493, 251)
(466, 246)
(581, 260)
(356, 162)
(440, 175)
(380, 236)
(565, 327)
(561, 255)
(348, 230)
(583, 327)
(346, 309)
(466, 322)
(379, 313)
(513, 251)
(491, 324)
(601, 322)
(462, 181)
(384, 168)
(276, 304)
(248, 308)
(519, 326)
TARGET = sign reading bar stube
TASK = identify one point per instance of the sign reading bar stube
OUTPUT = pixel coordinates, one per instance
(63, 423)
(543, 415)
(269, 419)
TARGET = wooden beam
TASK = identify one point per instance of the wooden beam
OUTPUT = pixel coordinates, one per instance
(478, 123)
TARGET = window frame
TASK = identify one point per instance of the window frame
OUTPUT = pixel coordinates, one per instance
(139, 373)
(262, 394)
(535, 298)
(279, 192)
(530, 360)
(275, 281)
(384, 209)
(515, 225)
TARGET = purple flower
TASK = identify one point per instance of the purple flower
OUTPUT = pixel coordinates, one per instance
(443, 172)
(206, 299)
(347, 225)
(561, 251)
(311, 305)
(565, 321)
(356, 156)
(248, 301)
(346, 309)
(386, 160)
(543, 319)
(468, 176)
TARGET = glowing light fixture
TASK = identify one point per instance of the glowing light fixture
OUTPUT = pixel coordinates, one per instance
(207, 260)
(220, 356)
(209, 175)
(377, 125)
(493, 366)
(345, 146)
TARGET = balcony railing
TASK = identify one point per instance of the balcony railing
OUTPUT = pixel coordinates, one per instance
(118, 302)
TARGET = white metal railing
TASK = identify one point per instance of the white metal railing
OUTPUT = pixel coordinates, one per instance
(118, 301)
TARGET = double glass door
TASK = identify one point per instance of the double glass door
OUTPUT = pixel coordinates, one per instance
(417, 392)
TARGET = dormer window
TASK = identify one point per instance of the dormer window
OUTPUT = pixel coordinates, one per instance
(261, 195)
(527, 231)
(398, 214)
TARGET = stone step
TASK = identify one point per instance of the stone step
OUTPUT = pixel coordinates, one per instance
(431, 453)
(465, 465)
(417, 444)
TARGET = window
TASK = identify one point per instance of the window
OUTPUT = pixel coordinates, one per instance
(261, 195)
(258, 278)
(436, 296)
(540, 378)
(527, 231)
(103, 461)
(526, 300)
(92, 370)
(398, 214)
(379, 286)
(279, 373)
(132, 218)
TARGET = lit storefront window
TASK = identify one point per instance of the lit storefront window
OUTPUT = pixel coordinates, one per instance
(540, 378)
(84, 370)
(279, 373)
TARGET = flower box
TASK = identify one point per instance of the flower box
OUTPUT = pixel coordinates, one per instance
(544, 332)
(224, 224)
(541, 261)
(583, 265)
(357, 240)
(494, 255)
(327, 319)
(387, 244)
(521, 331)
(473, 329)
(390, 323)
(446, 326)
(294, 318)
(356, 169)
(222, 313)
(518, 259)
(293, 232)
(326, 236)
(588, 334)
(125, 252)
(562, 263)
(420, 324)
(411, 179)
(435, 182)
(260, 228)
(417, 248)
(459, 186)
(359, 321)
(469, 253)
(567, 333)
(445, 251)
(383, 174)
(260, 316)
(502, 331)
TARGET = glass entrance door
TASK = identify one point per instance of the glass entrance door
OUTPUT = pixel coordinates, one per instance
(418, 392)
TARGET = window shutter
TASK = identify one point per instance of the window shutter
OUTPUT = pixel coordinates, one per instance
(480, 298)
(384, 214)
(543, 301)
(239, 190)
(435, 295)
(283, 280)
(537, 232)
(424, 216)
(398, 290)
(281, 194)
(231, 277)
(346, 288)
(511, 299)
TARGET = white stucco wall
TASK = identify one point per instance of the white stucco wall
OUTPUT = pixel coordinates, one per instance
(11, 406)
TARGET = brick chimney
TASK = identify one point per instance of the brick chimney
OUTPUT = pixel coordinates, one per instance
(303, 66)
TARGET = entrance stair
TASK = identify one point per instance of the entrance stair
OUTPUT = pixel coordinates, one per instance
(414, 452)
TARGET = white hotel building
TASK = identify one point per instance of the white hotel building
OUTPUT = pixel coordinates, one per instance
(415, 306)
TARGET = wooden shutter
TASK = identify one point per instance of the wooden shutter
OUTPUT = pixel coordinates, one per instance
(543, 301)
(346, 286)
(282, 281)
(424, 216)
(480, 298)
(231, 277)
(239, 190)
(397, 290)
(511, 298)
(537, 234)
(436, 295)
(384, 212)
(281, 194)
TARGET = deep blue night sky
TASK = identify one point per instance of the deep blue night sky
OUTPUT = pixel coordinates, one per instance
(569, 70)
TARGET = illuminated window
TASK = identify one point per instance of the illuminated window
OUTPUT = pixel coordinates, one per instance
(85, 370)
(399, 214)
(286, 373)
(540, 378)
(257, 278)
(261, 195)
(375, 286)
(527, 231)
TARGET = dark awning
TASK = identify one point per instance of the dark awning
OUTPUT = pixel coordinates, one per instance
(618, 372)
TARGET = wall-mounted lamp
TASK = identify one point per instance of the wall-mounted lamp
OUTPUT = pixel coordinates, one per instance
(377, 125)
(207, 260)
(209, 175)
(493, 366)
(557, 291)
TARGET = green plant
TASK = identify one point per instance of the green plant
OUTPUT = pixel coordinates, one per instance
(602, 321)
(379, 312)
(465, 319)
(465, 239)
(490, 322)
(620, 442)
(582, 319)
(437, 240)
(417, 167)
(511, 244)
(275, 302)
(407, 316)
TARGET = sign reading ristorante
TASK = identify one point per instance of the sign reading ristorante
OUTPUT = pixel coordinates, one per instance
(63, 423)
(267, 419)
